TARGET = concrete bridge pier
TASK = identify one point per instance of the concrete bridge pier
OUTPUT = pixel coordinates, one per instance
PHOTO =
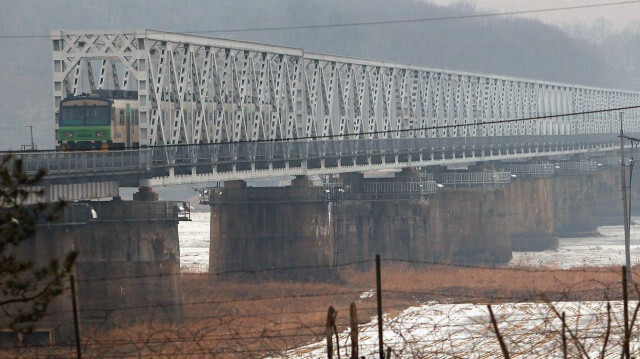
(530, 214)
(407, 221)
(130, 257)
(608, 196)
(574, 204)
(128, 265)
(474, 216)
(277, 227)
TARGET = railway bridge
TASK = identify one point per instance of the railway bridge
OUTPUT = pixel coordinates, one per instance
(217, 110)
(537, 157)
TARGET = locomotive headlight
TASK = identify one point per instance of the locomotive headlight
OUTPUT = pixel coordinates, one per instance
(68, 134)
(100, 134)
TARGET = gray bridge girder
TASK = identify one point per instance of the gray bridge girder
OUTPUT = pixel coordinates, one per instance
(74, 191)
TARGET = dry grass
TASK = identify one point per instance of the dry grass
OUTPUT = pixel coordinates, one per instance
(241, 319)
(457, 284)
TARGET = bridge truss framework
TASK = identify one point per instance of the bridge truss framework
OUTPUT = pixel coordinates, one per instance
(194, 89)
(208, 101)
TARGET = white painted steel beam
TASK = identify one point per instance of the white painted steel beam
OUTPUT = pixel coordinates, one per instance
(75, 191)
(195, 89)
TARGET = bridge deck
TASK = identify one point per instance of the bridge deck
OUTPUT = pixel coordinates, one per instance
(169, 165)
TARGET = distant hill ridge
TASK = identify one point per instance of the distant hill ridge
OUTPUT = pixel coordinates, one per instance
(508, 46)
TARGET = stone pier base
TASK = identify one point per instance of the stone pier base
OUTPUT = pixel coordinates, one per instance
(260, 229)
(128, 265)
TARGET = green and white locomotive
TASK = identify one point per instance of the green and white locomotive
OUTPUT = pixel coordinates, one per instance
(104, 120)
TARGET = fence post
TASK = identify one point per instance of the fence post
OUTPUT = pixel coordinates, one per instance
(379, 297)
(625, 298)
(564, 337)
(503, 346)
(328, 330)
(74, 307)
(353, 314)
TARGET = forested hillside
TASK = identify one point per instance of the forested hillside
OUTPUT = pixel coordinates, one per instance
(509, 46)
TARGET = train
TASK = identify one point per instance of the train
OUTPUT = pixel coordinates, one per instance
(101, 120)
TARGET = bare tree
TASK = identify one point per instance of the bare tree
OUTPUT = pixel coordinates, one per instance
(25, 289)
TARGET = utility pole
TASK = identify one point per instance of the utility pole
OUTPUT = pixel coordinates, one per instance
(625, 209)
(33, 145)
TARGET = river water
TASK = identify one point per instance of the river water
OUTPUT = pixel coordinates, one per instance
(194, 242)
(466, 330)
(603, 250)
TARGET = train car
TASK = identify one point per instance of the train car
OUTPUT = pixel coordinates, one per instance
(103, 120)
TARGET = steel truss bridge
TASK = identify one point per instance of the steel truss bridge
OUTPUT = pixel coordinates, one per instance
(215, 109)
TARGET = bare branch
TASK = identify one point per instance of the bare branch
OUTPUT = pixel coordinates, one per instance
(503, 346)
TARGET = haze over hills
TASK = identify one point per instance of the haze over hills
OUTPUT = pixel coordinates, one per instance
(509, 46)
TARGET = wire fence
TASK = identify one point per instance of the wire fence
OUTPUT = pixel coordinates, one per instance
(432, 310)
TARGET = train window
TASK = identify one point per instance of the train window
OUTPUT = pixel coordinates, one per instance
(122, 117)
(84, 115)
(97, 115)
(72, 115)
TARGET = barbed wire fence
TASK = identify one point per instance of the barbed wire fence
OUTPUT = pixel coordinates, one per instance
(424, 317)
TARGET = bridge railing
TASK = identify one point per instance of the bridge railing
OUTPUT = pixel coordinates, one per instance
(440, 148)
(581, 166)
(83, 163)
(610, 161)
(221, 195)
(489, 179)
(155, 161)
(531, 169)
(425, 187)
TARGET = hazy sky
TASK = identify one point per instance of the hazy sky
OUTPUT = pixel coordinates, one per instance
(619, 15)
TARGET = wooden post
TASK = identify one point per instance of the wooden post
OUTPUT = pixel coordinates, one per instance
(564, 337)
(625, 298)
(74, 306)
(494, 322)
(328, 330)
(379, 296)
(625, 209)
(353, 314)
